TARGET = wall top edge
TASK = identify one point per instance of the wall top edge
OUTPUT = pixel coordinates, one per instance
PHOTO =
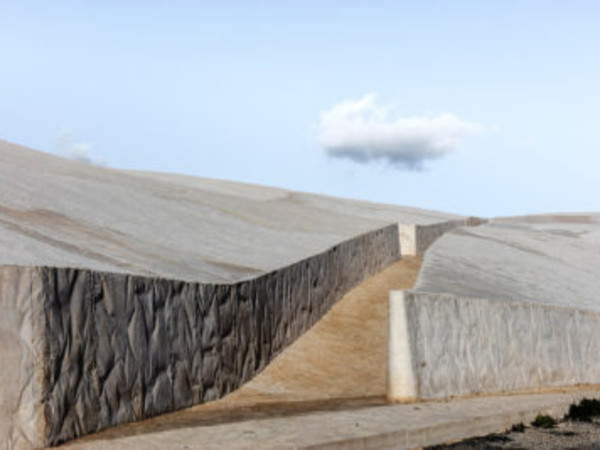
(409, 293)
(152, 276)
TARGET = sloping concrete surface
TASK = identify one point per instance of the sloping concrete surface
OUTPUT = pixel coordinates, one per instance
(343, 206)
(371, 427)
(553, 260)
(63, 213)
(512, 305)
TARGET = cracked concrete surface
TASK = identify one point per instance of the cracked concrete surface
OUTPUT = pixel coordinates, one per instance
(128, 294)
(132, 294)
(339, 364)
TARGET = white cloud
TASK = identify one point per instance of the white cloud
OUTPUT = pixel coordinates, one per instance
(364, 131)
(79, 151)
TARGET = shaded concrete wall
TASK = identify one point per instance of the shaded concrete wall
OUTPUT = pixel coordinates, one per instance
(444, 345)
(120, 348)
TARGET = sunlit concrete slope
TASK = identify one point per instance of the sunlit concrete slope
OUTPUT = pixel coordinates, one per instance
(57, 212)
(509, 305)
(543, 259)
(346, 207)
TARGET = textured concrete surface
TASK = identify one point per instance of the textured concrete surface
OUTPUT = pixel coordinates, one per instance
(338, 364)
(344, 355)
(508, 306)
(553, 260)
(128, 295)
(133, 294)
(114, 348)
(370, 427)
(62, 213)
(463, 346)
(20, 349)
(385, 213)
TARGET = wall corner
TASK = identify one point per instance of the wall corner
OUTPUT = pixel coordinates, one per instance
(401, 386)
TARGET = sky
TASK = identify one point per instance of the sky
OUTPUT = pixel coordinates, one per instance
(477, 107)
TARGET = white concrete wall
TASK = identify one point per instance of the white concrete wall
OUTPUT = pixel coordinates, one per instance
(443, 346)
(20, 347)
(408, 239)
(415, 239)
(401, 376)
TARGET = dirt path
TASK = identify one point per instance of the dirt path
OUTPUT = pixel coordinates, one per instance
(344, 355)
(340, 363)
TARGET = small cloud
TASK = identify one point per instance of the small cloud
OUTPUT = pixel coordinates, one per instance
(363, 131)
(79, 151)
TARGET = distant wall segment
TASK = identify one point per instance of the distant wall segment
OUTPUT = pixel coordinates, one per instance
(109, 348)
(510, 306)
(444, 346)
(415, 239)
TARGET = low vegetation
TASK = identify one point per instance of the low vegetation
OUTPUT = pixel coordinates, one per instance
(576, 430)
(518, 428)
(584, 411)
(544, 421)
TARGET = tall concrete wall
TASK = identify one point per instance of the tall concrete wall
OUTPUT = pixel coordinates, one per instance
(113, 348)
(445, 345)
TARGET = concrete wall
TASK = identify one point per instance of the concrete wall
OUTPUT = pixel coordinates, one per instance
(443, 346)
(20, 348)
(416, 239)
(114, 348)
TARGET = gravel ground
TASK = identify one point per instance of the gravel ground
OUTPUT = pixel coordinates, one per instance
(566, 435)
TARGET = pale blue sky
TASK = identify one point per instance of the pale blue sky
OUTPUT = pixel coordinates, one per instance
(234, 90)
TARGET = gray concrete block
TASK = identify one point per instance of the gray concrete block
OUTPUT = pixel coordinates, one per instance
(111, 348)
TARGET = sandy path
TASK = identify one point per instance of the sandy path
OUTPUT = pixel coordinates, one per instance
(344, 355)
